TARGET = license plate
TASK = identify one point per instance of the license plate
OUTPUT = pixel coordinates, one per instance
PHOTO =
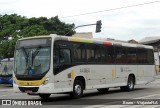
(28, 91)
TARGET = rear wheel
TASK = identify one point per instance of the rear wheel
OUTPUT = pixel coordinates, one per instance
(130, 85)
(44, 96)
(103, 90)
(77, 89)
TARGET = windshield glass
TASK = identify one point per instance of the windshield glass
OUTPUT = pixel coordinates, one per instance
(32, 59)
(6, 68)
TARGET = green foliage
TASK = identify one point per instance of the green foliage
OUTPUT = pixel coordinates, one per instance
(16, 26)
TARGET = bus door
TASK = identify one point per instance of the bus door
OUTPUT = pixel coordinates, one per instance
(62, 66)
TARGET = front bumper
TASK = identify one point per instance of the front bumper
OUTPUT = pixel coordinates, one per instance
(48, 88)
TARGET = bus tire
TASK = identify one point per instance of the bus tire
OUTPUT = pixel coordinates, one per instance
(44, 96)
(130, 85)
(103, 90)
(77, 90)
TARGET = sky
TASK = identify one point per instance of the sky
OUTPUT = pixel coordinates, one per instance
(129, 23)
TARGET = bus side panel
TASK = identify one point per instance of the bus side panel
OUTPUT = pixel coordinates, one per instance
(145, 74)
(123, 72)
(100, 76)
(64, 80)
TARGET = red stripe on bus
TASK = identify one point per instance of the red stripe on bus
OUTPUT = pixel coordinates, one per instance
(107, 43)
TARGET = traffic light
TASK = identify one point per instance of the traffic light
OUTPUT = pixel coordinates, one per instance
(98, 26)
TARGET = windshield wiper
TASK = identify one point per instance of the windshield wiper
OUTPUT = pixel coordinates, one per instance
(35, 53)
(26, 55)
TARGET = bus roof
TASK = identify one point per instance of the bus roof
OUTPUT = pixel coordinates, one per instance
(94, 41)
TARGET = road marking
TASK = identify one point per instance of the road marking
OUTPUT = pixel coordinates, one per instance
(4, 90)
(124, 106)
(142, 97)
(128, 106)
(95, 106)
(10, 95)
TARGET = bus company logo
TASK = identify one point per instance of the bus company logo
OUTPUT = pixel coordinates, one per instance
(85, 70)
(30, 72)
(122, 69)
(6, 102)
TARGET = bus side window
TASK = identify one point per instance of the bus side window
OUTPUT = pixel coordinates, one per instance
(141, 56)
(77, 52)
(110, 55)
(65, 56)
(97, 50)
(131, 55)
(56, 57)
(150, 56)
(121, 57)
(90, 54)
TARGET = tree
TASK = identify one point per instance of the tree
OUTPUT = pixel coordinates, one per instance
(16, 26)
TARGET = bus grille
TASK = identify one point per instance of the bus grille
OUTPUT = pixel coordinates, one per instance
(33, 89)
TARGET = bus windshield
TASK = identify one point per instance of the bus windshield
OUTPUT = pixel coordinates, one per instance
(6, 67)
(32, 59)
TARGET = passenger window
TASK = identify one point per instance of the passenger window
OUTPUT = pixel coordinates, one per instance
(97, 50)
(79, 52)
(142, 56)
(150, 57)
(121, 55)
(131, 55)
(90, 54)
(110, 55)
(65, 56)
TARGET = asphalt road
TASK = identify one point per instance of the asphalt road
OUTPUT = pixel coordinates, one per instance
(91, 99)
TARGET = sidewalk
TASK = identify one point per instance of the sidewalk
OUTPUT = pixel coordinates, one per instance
(157, 76)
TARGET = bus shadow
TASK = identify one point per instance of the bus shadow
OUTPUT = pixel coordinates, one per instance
(117, 91)
(66, 100)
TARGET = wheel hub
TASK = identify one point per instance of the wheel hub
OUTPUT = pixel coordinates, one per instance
(78, 89)
(130, 84)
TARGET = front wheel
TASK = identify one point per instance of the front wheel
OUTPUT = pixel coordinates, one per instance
(44, 96)
(77, 89)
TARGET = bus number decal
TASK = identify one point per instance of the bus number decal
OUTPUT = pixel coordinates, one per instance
(85, 70)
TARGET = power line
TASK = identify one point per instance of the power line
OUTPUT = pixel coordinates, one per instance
(112, 9)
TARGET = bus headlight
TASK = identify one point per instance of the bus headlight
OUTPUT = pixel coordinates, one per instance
(46, 81)
(14, 81)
